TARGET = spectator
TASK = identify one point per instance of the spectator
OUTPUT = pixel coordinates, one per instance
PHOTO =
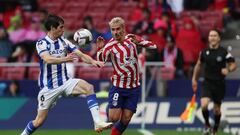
(145, 26)
(16, 31)
(159, 8)
(173, 57)
(171, 25)
(13, 90)
(5, 43)
(159, 36)
(88, 24)
(34, 31)
(190, 42)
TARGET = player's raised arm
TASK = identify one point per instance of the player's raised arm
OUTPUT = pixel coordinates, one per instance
(140, 41)
(103, 51)
(87, 59)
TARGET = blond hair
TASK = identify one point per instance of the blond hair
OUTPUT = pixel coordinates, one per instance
(117, 20)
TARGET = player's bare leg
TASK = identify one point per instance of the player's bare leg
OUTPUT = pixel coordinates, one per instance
(123, 122)
(87, 89)
(204, 105)
(33, 125)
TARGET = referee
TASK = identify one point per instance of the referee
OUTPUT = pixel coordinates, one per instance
(216, 63)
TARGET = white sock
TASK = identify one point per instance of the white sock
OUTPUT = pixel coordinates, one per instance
(24, 132)
(95, 114)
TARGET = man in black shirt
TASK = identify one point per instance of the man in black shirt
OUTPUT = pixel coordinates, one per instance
(217, 63)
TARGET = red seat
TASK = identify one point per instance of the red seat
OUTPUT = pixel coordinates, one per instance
(88, 72)
(3, 59)
(33, 73)
(11, 73)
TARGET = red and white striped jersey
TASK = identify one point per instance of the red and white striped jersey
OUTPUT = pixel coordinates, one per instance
(124, 58)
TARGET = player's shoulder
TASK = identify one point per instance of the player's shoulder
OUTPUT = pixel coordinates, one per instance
(41, 41)
(111, 43)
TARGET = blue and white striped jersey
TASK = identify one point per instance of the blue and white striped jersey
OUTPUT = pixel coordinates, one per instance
(53, 75)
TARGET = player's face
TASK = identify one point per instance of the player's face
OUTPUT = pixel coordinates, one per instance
(213, 38)
(117, 31)
(58, 32)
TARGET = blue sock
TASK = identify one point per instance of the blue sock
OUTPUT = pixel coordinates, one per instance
(30, 128)
(121, 127)
(92, 101)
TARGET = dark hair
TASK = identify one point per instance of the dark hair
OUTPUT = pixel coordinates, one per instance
(53, 21)
(216, 30)
(170, 38)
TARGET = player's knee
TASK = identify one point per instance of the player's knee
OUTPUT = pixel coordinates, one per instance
(126, 119)
(90, 89)
(113, 118)
(204, 107)
(217, 111)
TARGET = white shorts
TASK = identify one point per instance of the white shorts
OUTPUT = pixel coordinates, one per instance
(47, 98)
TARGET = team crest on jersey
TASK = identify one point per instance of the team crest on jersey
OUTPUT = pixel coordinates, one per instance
(219, 58)
(114, 103)
(207, 52)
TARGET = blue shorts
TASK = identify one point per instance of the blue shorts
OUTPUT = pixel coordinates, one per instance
(124, 98)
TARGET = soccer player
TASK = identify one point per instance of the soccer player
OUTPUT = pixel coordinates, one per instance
(54, 80)
(125, 90)
(217, 63)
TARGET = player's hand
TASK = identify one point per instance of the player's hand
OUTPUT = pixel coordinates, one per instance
(194, 86)
(98, 63)
(134, 38)
(100, 42)
(225, 71)
(72, 57)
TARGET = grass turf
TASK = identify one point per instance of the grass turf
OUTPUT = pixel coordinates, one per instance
(91, 132)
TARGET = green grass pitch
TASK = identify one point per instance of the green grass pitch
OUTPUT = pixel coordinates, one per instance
(91, 132)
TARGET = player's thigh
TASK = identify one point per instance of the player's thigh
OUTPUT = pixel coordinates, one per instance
(126, 116)
(48, 98)
(114, 114)
(218, 92)
(76, 87)
(131, 99)
(115, 99)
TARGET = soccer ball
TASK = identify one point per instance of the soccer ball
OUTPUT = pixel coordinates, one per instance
(83, 37)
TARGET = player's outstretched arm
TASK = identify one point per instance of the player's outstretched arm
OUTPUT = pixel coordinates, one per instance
(196, 73)
(140, 41)
(53, 60)
(87, 59)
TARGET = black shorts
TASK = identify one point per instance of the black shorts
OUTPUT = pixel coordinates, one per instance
(213, 89)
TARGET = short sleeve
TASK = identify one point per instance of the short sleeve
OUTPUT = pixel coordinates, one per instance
(229, 58)
(41, 46)
(70, 46)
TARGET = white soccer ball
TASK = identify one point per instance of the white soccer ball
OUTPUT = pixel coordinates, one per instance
(83, 37)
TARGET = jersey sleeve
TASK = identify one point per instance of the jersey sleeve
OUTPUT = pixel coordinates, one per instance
(69, 45)
(229, 58)
(145, 43)
(103, 54)
(41, 46)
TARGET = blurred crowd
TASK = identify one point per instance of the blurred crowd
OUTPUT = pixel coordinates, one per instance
(168, 23)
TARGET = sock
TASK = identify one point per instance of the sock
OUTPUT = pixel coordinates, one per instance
(206, 117)
(93, 107)
(30, 128)
(115, 131)
(120, 126)
(217, 118)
